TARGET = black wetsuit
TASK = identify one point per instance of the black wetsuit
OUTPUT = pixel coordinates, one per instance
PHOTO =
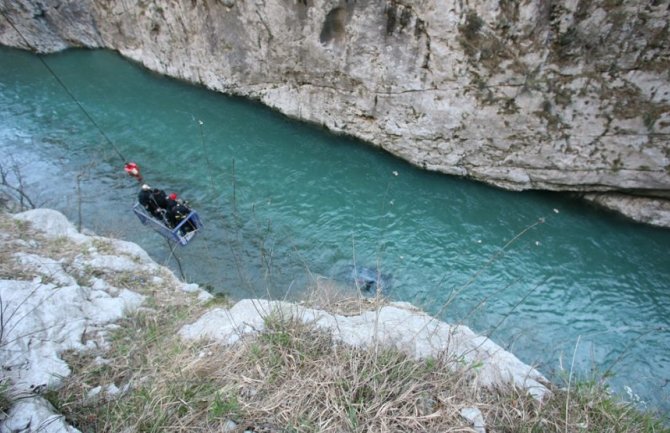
(154, 201)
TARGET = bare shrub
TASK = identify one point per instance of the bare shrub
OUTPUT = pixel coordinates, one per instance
(13, 185)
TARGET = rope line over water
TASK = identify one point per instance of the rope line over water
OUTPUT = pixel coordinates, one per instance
(88, 116)
(62, 84)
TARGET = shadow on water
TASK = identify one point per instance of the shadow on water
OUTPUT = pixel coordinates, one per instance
(284, 202)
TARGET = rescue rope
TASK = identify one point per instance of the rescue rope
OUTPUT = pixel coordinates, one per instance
(130, 167)
(172, 247)
(51, 71)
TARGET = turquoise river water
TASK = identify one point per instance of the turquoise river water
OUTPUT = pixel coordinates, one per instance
(285, 203)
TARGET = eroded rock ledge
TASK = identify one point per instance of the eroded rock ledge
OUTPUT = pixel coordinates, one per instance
(571, 96)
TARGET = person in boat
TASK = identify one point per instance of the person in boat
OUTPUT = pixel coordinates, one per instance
(171, 200)
(153, 200)
(178, 211)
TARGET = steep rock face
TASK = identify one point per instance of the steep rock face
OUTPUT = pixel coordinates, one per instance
(571, 95)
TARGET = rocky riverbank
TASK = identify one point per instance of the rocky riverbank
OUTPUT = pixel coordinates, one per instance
(522, 95)
(63, 291)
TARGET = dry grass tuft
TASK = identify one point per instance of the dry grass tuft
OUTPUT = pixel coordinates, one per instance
(296, 379)
(330, 295)
(17, 236)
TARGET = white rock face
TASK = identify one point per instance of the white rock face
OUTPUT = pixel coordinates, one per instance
(397, 325)
(63, 307)
(475, 417)
(560, 96)
(34, 414)
(523, 95)
(645, 210)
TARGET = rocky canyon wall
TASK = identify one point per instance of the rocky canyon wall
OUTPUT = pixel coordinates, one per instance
(569, 95)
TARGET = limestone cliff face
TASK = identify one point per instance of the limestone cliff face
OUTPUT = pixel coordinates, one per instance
(571, 95)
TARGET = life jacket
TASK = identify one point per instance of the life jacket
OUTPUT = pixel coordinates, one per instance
(133, 170)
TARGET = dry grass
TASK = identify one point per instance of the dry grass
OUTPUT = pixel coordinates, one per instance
(17, 236)
(293, 378)
(288, 378)
(330, 295)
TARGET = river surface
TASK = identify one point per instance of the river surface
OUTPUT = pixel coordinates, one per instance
(561, 284)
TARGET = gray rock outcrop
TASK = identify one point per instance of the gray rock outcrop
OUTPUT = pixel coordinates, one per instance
(397, 325)
(566, 96)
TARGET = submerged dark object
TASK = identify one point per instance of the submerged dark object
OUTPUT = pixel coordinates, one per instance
(183, 233)
(369, 279)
